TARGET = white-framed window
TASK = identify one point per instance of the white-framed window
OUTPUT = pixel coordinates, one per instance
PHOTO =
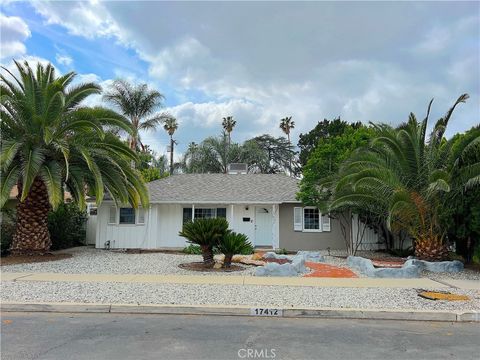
(203, 213)
(126, 216)
(310, 219)
(112, 217)
(141, 216)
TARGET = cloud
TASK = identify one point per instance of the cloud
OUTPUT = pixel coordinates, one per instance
(368, 62)
(63, 59)
(14, 31)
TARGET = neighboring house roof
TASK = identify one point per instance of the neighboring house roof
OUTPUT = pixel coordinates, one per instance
(224, 188)
(14, 193)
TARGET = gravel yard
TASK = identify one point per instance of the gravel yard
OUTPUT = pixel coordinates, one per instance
(87, 260)
(275, 296)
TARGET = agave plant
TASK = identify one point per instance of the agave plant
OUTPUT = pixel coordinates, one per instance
(405, 174)
(234, 243)
(50, 142)
(206, 233)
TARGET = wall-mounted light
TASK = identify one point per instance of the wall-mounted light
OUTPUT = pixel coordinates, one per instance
(246, 208)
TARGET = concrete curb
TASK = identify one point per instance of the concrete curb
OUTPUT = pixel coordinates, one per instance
(225, 310)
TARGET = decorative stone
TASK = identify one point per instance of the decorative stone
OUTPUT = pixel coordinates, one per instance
(274, 269)
(365, 266)
(440, 266)
(311, 256)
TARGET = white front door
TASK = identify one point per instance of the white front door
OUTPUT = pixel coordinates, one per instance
(263, 226)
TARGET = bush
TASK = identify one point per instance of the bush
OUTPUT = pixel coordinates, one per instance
(67, 226)
(7, 230)
(206, 233)
(192, 250)
(234, 243)
(476, 255)
(281, 251)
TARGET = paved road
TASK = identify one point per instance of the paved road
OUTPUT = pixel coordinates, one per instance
(164, 337)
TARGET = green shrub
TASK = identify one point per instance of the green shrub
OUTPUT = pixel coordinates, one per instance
(402, 252)
(7, 230)
(234, 243)
(192, 250)
(206, 233)
(476, 254)
(281, 251)
(67, 226)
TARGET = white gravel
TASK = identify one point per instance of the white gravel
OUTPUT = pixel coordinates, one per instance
(86, 260)
(274, 296)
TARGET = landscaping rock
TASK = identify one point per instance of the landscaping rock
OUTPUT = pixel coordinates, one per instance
(311, 256)
(440, 266)
(365, 266)
(274, 269)
(272, 255)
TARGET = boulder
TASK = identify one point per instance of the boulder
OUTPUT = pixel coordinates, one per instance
(365, 266)
(274, 269)
(437, 266)
(312, 256)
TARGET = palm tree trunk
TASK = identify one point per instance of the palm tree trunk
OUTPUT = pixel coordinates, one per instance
(227, 262)
(207, 254)
(31, 233)
(171, 154)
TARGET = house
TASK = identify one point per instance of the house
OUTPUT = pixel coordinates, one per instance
(262, 206)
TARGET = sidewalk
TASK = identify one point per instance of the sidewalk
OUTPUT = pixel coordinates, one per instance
(244, 280)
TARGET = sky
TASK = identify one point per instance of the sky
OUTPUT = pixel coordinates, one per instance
(262, 61)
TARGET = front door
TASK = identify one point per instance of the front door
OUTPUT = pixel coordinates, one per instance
(263, 226)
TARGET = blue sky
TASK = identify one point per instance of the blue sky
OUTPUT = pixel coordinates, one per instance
(261, 61)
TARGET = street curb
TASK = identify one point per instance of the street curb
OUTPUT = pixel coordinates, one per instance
(224, 310)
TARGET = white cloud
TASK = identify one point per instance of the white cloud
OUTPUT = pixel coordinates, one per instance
(63, 59)
(14, 31)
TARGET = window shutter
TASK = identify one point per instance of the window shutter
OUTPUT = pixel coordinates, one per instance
(297, 219)
(113, 215)
(141, 215)
(325, 223)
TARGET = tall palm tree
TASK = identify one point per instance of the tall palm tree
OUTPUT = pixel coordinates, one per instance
(170, 125)
(228, 124)
(287, 124)
(138, 103)
(50, 142)
(405, 174)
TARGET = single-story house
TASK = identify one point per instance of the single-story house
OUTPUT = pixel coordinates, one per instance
(262, 206)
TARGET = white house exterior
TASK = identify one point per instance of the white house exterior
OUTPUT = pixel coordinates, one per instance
(262, 206)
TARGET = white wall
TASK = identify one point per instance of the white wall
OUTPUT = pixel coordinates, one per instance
(124, 236)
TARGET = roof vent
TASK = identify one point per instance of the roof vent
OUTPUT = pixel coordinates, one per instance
(237, 168)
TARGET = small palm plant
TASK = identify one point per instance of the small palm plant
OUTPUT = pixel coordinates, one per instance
(207, 233)
(234, 243)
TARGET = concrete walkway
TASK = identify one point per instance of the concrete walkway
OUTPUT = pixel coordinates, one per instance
(244, 280)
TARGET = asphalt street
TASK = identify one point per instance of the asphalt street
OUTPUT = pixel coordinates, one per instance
(117, 336)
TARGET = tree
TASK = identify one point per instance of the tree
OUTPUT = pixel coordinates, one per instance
(228, 124)
(407, 174)
(323, 130)
(170, 125)
(319, 173)
(138, 103)
(152, 167)
(269, 155)
(460, 209)
(286, 124)
(50, 142)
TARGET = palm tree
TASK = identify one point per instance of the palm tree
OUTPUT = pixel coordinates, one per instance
(228, 124)
(286, 124)
(170, 125)
(405, 175)
(51, 143)
(138, 103)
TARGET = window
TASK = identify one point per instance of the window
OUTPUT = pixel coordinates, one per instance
(187, 215)
(204, 213)
(311, 219)
(112, 215)
(141, 216)
(127, 216)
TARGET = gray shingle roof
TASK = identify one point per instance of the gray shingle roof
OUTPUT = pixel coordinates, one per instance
(223, 188)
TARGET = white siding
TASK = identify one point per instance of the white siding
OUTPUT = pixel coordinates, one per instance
(170, 223)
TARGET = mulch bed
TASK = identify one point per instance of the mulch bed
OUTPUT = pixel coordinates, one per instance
(152, 251)
(26, 259)
(388, 263)
(200, 266)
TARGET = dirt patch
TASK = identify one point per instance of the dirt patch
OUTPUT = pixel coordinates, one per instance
(200, 266)
(152, 251)
(26, 259)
